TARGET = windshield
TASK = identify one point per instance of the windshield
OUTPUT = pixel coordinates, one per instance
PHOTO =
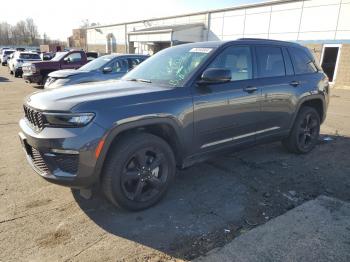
(170, 67)
(29, 56)
(96, 63)
(59, 56)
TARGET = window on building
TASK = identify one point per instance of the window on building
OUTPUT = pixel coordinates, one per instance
(238, 59)
(303, 63)
(270, 61)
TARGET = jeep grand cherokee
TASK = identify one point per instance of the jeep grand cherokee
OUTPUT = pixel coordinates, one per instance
(181, 106)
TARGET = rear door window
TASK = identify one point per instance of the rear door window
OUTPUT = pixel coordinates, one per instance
(303, 63)
(270, 61)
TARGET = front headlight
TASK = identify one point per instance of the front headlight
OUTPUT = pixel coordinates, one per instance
(68, 120)
(61, 81)
(33, 68)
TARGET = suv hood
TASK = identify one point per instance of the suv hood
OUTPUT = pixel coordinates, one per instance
(66, 73)
(64, 99)
(46, 64)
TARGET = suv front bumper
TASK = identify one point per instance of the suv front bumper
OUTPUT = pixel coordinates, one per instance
(64, 156)
(32, 78)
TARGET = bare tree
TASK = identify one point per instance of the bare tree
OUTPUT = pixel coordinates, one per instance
(5, 33)
(32, 30)
(24, 32)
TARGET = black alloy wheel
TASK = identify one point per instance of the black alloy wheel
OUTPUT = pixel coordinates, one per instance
(144, 175)
(138, 171)
(305, 132)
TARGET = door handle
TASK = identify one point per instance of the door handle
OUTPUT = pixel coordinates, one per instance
(294, 83)
(250, 89)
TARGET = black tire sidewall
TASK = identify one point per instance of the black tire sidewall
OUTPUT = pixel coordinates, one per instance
(116, 162)
(303, 112)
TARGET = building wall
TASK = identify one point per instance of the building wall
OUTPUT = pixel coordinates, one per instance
(97, 38)
(316, 50)
(300, 20)
(343, 73)
(312, 22)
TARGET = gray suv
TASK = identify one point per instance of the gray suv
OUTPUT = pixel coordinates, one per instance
(179, 107)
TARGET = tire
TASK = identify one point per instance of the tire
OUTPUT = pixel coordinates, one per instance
(16, 74)
(305, 132)
(44, 80)
(138, 171)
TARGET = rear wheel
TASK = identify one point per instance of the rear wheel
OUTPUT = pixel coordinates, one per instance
(305, 132)
(138, 171)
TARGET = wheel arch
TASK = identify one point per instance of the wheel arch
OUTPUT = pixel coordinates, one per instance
(315, 101)
(164, 127)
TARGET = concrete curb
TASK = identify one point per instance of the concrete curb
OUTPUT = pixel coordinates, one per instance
(318, 230)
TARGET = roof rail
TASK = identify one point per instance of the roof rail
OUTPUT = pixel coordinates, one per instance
(268, 40)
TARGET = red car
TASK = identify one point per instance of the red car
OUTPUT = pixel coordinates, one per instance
(37, 72)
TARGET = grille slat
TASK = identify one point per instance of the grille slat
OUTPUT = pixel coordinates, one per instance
(38, 161)
(36, 118)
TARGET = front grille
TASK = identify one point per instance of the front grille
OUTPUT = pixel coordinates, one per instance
(38, 161)
(35, 117)
(67, 163)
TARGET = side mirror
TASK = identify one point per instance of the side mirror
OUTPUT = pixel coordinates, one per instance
(215, 76)
(107, 69)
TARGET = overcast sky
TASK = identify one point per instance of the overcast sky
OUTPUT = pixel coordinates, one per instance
(58, 18)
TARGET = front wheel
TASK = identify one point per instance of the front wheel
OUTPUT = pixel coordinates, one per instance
(305, 132)
(138, 171)
(43, 82)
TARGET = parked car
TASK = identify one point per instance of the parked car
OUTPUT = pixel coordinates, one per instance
(103, 68)
(5, 55)
(182, 105)
(19, 59)
(45, 56)
(37, 72)
(9, 58)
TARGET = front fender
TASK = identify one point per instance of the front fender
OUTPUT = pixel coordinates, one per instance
(132, 124)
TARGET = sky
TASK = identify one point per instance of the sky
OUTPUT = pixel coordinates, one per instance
(58, 21)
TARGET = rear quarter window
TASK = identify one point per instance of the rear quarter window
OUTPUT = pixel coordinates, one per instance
(302, 61)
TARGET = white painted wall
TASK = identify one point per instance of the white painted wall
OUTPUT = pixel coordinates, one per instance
(304, 20)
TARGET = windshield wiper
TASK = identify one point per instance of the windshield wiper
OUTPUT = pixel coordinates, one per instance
(139, 80)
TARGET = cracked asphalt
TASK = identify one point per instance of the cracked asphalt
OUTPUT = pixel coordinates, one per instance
(209, 204)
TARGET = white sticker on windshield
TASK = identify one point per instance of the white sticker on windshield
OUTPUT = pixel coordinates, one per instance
(201, 50)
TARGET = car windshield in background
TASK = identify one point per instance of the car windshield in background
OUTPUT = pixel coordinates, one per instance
(96, 63)
(59, 56)
(29, 56)
(170, 67)
(9, 52)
